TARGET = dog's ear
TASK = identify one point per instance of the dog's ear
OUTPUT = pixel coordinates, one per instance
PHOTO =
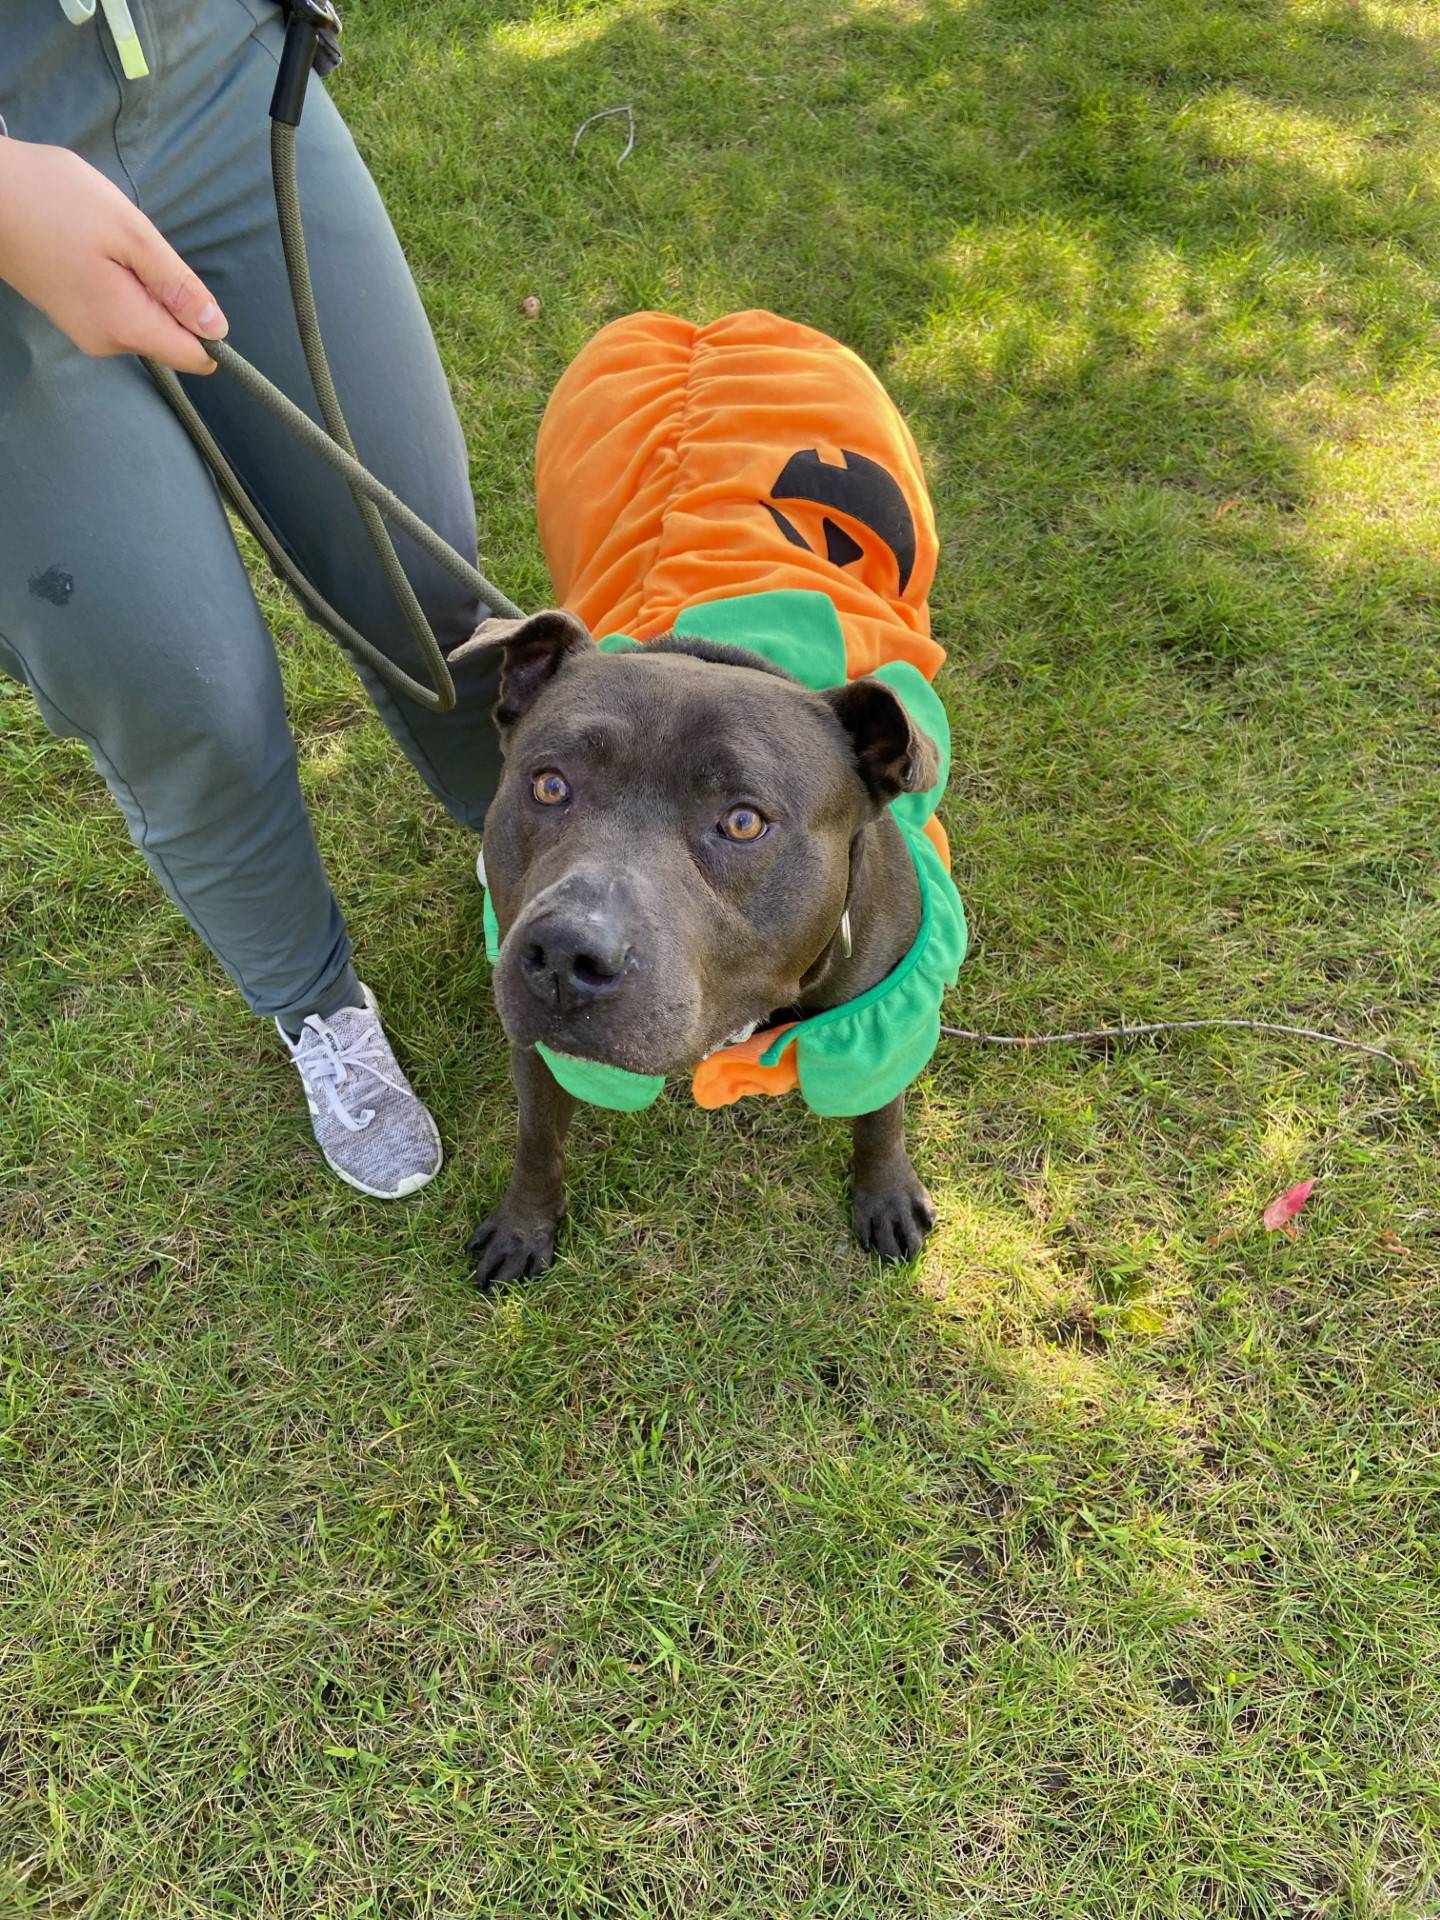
(892, 755)
(531, 652)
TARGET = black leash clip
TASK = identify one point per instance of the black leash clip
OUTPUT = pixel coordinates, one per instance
(312, 41)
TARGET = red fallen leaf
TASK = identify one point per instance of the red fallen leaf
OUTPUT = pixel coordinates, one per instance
(1279, 1216)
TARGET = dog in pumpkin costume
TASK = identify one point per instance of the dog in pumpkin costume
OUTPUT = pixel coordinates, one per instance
(713, 849)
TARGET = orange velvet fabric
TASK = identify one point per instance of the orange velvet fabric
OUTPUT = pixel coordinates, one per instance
(655, 469)
(727, 1076)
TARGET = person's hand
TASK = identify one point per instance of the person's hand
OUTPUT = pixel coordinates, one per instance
(76, 248)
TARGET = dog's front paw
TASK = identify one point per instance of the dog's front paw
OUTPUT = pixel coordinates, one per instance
(894, 1217)
(507, 1249)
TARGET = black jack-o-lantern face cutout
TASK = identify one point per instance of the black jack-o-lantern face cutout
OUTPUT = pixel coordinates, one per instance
(859, 491)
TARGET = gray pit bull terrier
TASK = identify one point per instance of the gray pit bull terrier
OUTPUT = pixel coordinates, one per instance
(687, 843)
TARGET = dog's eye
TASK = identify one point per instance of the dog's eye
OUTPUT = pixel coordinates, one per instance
(743, 823)
(550, 788)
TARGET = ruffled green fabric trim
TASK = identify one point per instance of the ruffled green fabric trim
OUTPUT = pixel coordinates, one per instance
(599, 1084)
(857, 1057)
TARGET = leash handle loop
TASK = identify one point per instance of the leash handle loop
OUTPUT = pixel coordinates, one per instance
(374, 501)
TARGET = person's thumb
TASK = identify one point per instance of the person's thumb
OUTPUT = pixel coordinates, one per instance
(168, 280)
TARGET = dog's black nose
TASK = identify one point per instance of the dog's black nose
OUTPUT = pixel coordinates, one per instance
(567, 964)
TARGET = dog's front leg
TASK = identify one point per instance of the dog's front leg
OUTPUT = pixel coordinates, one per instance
(518, 1238)
(893, 1212)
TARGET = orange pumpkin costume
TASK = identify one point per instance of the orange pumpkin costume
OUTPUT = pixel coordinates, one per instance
(679, 466)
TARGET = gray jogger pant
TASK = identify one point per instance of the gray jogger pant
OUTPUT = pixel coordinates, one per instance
(123, 601)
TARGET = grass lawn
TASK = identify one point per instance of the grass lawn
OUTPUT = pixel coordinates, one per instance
(1090, 1566)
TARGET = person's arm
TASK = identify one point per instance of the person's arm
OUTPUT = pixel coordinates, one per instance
(76, 248)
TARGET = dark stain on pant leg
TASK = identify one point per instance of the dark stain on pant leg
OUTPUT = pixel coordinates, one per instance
(54, 585)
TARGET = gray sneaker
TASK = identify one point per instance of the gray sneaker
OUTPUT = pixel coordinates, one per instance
(371, 1127)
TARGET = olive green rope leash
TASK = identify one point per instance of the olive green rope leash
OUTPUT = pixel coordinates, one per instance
(374, 500)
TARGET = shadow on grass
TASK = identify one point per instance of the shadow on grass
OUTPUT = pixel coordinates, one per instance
(1087, 1571)
(1140, 277)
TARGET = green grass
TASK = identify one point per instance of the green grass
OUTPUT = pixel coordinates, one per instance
(1091, 1567)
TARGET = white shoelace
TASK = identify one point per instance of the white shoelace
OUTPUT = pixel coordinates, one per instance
(326, 1065)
